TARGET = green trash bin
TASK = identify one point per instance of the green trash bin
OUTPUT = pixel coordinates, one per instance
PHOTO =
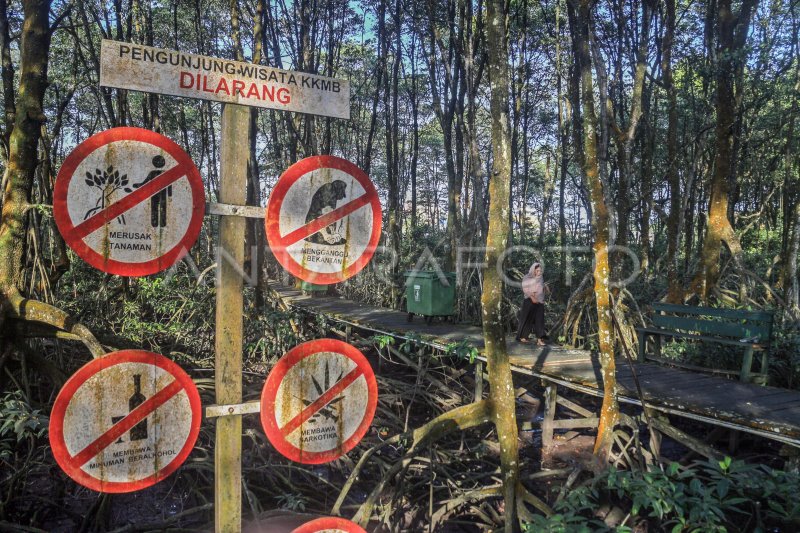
(430, 294)
(310, 289)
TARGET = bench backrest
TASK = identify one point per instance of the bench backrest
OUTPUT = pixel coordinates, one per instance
(731, 323)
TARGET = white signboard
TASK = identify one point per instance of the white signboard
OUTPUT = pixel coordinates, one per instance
(125, 421)
(323, 219)
(129, 201)
(319, 401)
(158, 70)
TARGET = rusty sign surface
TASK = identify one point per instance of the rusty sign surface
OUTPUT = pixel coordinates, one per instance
(125, 421)
(158, 70)
(318, 401)
(323, 219)
(330, 525)
(129, 201)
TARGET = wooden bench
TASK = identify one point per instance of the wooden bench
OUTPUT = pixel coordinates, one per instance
(750, 330)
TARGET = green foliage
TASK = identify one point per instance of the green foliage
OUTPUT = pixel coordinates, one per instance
(709, 496)
(292, 502)
(411, 342)
(462, 350)
(382, 341)
(18, 422)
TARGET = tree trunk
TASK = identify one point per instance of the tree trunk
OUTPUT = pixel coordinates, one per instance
(7, 75)
(731, 35)
(19, 176)
(502, 388)
(609, 413)
(674, 292)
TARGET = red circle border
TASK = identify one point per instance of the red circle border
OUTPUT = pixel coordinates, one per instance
(112, 266)
(272, 219)
(332, 522)
(59, 446)
(270, 391)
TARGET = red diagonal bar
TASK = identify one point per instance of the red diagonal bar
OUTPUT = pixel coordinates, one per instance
(325, 220)
(117, 208)
(322, 401)
(123, 426)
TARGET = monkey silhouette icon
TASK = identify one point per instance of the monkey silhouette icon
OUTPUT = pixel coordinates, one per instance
(324, 201)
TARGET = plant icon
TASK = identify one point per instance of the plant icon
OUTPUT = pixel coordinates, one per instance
(108, 182)
(330, 410)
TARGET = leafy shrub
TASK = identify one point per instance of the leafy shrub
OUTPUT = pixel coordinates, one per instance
(18, 422)
(706, 497)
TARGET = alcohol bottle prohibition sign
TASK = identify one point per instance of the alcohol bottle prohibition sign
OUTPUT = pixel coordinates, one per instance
(125, 421)
(129, 201)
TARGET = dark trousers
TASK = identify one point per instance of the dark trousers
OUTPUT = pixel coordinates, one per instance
(531, 317)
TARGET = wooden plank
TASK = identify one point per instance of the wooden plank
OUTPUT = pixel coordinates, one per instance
(734, 314)
(571, 423)
(712, 327)
(657, 333)
(550, 400)
(666, 381)
(574, 407)
(228, 341)
(136, 67)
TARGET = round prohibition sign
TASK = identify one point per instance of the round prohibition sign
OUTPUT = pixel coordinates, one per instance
(129, 201)
(318, 401)
(125, 421)
(330, 525)
(323, 219)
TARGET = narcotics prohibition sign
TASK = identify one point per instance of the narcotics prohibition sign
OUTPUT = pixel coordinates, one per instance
(330, 525)
(129, 201)
(323, 220)
(318, 401)
(125, 421)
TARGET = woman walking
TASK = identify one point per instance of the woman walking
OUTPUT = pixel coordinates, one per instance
(531, 316)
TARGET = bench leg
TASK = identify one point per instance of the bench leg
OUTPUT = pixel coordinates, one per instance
(642, 346)
(657, 348)
(747, 363)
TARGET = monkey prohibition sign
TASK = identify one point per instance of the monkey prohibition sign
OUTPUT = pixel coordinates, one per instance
(125, 421)
(318, 401)
(129, 201)
(329, 525)
(323, 220)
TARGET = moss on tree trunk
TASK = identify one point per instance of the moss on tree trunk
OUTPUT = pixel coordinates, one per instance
(501, 385)
(609, 413)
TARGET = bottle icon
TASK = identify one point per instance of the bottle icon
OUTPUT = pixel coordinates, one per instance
(139, 431)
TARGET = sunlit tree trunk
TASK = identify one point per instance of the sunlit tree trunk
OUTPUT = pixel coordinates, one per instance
(731, 35)
(609, 413)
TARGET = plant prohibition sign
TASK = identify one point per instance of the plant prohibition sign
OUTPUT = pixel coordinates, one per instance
(318, 401)
(323, 219)
(125, 421)
(329, 525)
(129, 201)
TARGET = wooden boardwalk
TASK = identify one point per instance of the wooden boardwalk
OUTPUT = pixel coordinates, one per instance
(766, 411)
